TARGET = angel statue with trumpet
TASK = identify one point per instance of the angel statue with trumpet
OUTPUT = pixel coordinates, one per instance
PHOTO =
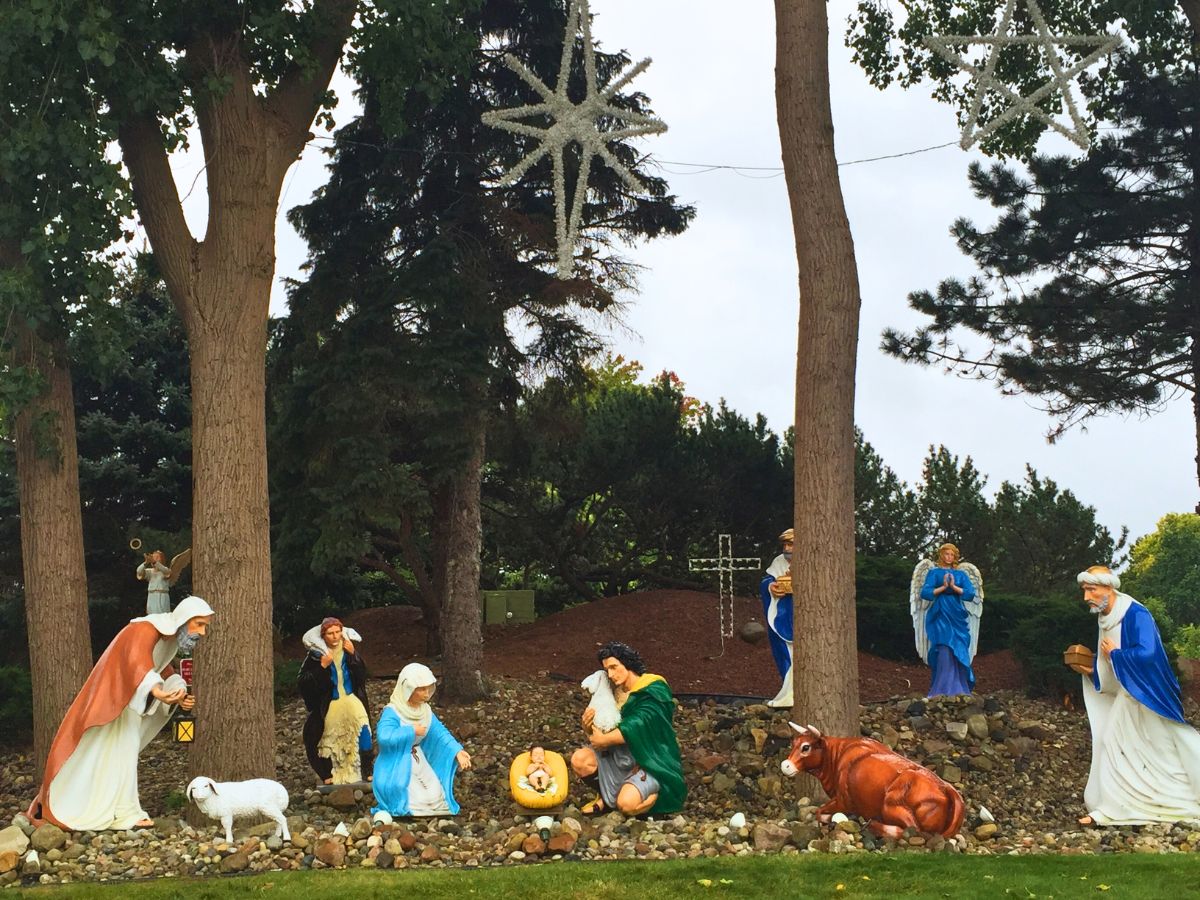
(160, 576)
(946, 602)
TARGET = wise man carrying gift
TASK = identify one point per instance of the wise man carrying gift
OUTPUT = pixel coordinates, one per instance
(1145, 757)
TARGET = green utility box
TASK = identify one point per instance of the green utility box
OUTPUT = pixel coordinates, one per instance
(505, 607)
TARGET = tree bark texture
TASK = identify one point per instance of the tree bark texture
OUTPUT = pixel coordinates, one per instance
(461, 625)
(222, 288)
(825, 666)
(56, 607)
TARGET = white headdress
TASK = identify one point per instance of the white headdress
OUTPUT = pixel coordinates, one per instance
(412, 676)
(1102, 575)
(169, 623)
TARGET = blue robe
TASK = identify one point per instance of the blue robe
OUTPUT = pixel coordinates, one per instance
(1142, 667)
(948, 624)
(780, 631)
(393, 765)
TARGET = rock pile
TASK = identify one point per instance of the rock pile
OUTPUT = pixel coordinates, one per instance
(1020, 765)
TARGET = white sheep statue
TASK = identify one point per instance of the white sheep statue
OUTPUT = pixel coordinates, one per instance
(608, 716)
(226, 800)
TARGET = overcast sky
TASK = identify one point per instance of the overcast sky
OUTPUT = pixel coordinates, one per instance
(718, 305)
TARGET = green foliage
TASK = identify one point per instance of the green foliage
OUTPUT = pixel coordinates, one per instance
(888, 517)
(16, 705)
(955, 510)
(1187, 642)
(287, 671)
(1087, 277)
(431, 301)
(882, 609)
(1041, 636)
(1043, 537)
(888, 43)
(175, 801)
(1165, 564)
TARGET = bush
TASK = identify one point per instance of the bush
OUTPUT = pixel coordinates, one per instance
(1038, 640)
(175, 801)
(286, 673)
(881, 586)
(16, 705)
(1187, 642)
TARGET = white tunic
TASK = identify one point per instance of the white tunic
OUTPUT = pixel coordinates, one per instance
(425, 794)
(97, 787)
(1145, 768)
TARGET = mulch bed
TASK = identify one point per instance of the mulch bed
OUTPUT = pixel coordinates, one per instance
(677, 633)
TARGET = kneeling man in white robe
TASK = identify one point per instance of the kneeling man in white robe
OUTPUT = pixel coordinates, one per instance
(1145, 757)
(91, 780)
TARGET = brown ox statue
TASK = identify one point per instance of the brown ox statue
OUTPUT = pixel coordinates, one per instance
(864, 778)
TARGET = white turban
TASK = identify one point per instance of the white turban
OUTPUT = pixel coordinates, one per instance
(1100, 575)
(169, 623)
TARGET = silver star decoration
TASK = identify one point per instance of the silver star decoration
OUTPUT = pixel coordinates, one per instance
(574, 122)
(986, 76)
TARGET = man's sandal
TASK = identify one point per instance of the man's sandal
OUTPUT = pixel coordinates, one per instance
(594, 808)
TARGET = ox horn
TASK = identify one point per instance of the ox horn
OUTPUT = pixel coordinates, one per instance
(796, 728)
(813, 731)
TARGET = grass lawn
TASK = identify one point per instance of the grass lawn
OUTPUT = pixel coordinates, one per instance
(1174, 876)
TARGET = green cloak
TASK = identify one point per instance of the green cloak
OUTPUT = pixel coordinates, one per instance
(647, 729)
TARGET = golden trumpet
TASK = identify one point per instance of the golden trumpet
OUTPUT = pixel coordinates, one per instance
(135, 544)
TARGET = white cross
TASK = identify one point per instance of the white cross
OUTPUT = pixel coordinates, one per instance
(726, 564)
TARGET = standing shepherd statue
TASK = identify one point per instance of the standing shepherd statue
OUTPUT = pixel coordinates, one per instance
(946, 603)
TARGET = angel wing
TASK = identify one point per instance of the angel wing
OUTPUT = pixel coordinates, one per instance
(919, 607)
(974, 610)
(179, 562)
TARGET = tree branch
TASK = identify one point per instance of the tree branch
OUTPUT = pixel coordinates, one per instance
(158, 204)
(296, 98)
(1191, 9)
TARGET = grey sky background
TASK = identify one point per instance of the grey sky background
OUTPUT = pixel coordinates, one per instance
(718, 305)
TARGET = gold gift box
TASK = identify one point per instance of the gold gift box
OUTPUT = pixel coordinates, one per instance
(1079, 655)
(783, 584)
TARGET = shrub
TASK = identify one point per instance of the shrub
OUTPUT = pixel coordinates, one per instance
(16, 705)
(175, 801)
(286, 673)
(1187, 642)
(1038, 640)
(881, 608)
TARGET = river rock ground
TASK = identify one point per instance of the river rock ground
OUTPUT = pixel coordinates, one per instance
(1020, 764)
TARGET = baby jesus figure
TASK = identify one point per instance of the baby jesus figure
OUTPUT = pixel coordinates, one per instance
(537, 773)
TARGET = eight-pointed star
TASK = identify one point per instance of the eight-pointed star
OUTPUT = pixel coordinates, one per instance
(577, 122)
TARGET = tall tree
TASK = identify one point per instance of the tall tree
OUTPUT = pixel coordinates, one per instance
(1043, 537)
(952, 502)
(1165, 565)
(250, 77)
(410, 243)
(823, 556)
(888, 518)
(60, 202)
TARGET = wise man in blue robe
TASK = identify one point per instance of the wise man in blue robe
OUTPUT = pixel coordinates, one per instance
(418, 757)
(945, 605)
(1145, 757)
(775, 591)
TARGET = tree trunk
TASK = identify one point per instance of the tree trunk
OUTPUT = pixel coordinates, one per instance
(461, 625)
(222, 288)
(825, 666)
(1191, 9)
(56, 607)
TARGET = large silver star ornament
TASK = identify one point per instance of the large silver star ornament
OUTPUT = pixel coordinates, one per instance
(985, 76)
(580, 123)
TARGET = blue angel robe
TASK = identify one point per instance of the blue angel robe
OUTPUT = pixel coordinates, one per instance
(947, 625)
(393, 765)
(1142, 667)
(779, 628)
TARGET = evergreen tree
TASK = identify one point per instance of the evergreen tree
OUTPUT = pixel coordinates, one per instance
(1089, 277)
(888, 518)
(431, 270)
(951, 498)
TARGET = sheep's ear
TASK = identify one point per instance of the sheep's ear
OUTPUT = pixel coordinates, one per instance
(212, 784)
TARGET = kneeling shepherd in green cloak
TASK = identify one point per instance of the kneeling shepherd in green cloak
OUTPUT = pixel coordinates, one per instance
(636, 766)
